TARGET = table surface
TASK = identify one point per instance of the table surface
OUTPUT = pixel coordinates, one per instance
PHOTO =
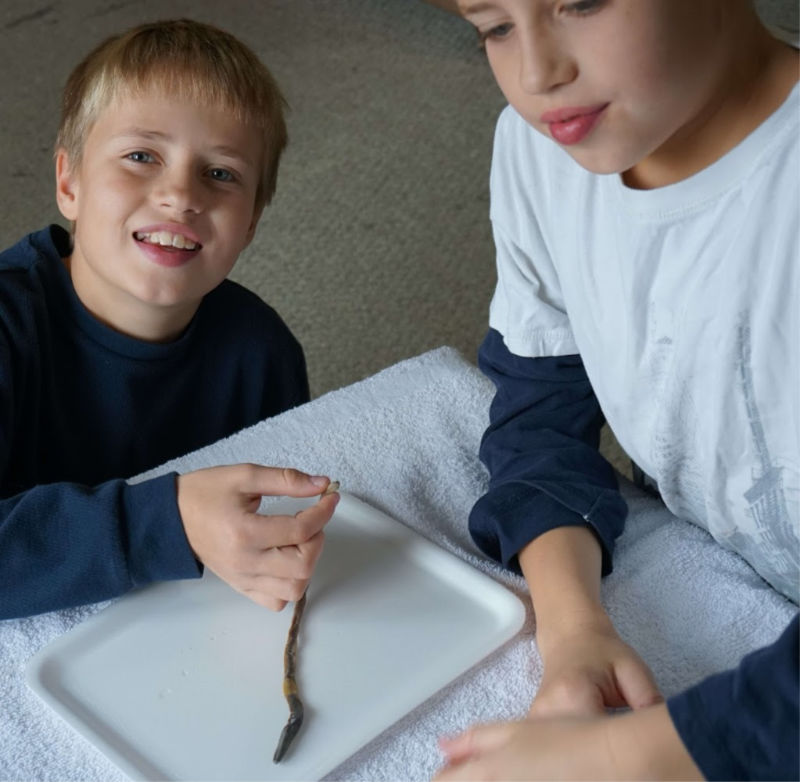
(406, 442)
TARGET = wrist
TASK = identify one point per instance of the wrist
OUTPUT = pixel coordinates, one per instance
(569, 628)
(562, 568)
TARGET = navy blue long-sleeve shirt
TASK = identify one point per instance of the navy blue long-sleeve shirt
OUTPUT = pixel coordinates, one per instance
(82, 407)
(541, 450)
(743, 723)
(545, 472)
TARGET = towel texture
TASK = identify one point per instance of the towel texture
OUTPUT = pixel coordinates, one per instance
(406, 441)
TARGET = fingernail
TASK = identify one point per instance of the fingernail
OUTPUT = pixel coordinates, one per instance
(319, 480)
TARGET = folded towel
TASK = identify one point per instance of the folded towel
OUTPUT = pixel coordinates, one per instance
(406, 441)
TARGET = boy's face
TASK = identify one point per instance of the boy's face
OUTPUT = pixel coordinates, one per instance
(611, 81)
(163, 201)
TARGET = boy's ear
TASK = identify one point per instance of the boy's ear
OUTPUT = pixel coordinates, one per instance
(66, 187)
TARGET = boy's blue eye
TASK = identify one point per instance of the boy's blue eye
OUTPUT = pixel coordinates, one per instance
(577, 8)
(140, 157)
(221, 175)
(497, 32)
(583, 6)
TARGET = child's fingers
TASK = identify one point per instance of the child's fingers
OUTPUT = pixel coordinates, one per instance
(475, 741)
(269, 590)
(290, 561)
(255, 479)
(266, 600)
(267, 532)
(576, 694)
(272, 603)
(637, 686)
(311, 520)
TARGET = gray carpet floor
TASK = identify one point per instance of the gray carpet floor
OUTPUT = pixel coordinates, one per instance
(377, 246)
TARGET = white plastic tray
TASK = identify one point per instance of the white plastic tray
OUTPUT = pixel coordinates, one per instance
(183, 680)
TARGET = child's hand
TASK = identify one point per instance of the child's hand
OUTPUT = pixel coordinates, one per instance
(563, 748)
(637, 745)
(589, 670)
(267, 558)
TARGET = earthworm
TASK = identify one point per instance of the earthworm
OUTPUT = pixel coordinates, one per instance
(292, 727)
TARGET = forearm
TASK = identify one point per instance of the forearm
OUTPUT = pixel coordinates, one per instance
(65, 544)
(562, 568)
(644, 744)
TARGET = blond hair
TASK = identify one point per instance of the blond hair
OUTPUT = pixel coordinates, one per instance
(195, 61)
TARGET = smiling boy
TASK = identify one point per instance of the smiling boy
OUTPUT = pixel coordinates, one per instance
(123, 345)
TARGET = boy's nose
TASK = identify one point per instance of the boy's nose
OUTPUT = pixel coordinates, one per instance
(543, 65)
(180, 191)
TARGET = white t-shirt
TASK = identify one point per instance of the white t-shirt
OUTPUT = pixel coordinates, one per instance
(684, 303)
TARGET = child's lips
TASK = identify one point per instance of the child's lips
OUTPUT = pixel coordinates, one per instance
(171, 236)
(571, 125)
(167, 254)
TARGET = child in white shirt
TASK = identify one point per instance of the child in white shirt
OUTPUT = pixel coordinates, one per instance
(654, 284)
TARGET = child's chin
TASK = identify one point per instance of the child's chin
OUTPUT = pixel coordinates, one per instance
(597, 163)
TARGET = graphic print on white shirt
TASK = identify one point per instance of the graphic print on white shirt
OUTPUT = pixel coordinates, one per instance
(771, 503)
(674, 448)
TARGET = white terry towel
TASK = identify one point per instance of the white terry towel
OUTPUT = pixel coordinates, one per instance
(406, 441)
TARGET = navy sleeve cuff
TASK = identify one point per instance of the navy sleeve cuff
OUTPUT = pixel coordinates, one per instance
(541, 450)
(511, 515)
(156, 545)
(744, 723)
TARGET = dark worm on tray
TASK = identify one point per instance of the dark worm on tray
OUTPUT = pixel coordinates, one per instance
(295, 720)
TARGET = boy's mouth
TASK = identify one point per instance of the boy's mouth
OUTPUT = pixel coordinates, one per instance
(570, 125)
(167, 239)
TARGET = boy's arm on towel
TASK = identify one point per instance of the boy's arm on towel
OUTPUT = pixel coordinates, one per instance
(553, 509)
(541, 450)
(65, 544)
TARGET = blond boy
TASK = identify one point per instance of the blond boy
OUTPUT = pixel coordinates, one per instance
(123, 345)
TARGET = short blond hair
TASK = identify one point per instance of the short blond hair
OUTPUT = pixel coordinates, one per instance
(195, 61)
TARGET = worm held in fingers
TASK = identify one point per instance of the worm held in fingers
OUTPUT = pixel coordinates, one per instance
(292, 727)
(333, 487)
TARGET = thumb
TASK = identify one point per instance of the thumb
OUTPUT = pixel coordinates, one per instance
(280, 481)
(637, 686)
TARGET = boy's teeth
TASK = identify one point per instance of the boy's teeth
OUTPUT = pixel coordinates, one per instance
(167, 239)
